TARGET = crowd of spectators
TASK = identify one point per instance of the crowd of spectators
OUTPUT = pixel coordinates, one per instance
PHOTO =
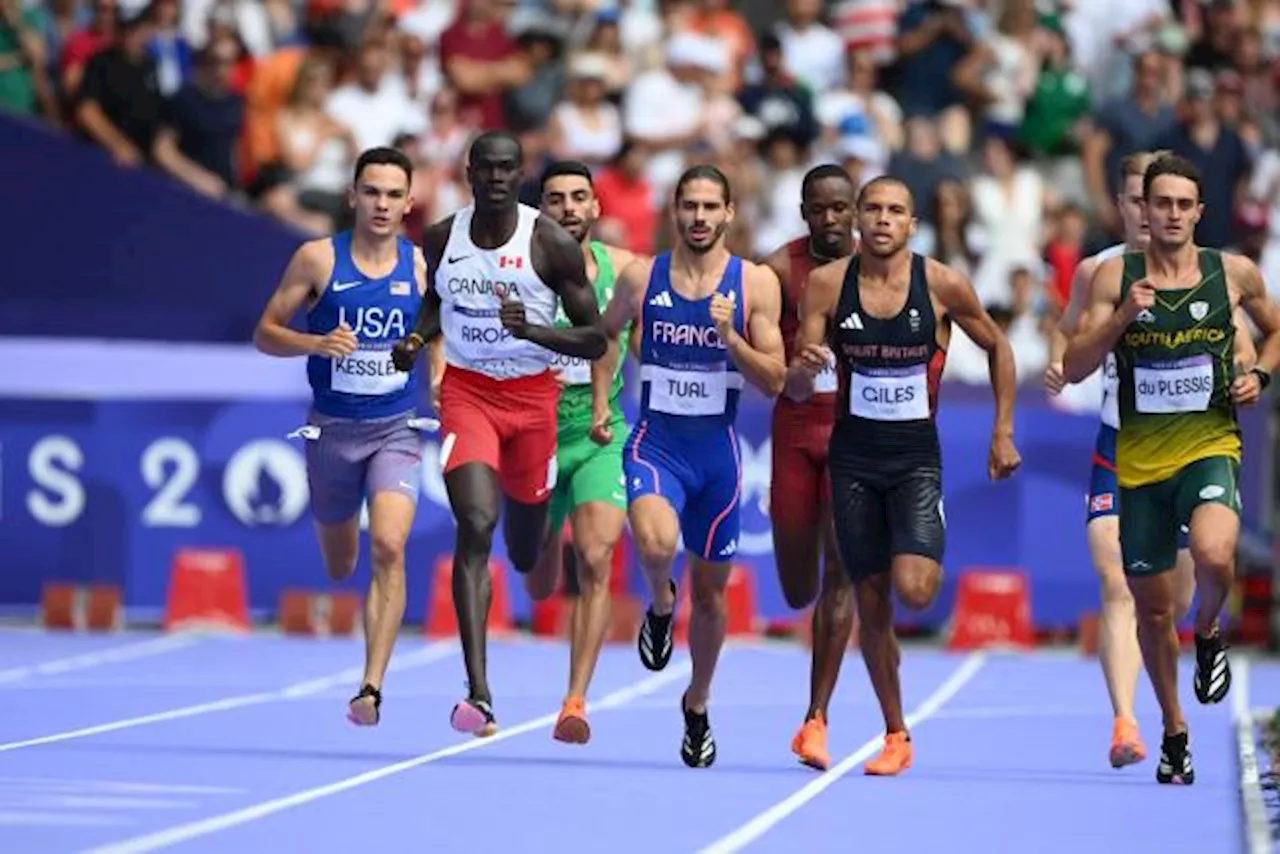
(1007, 118)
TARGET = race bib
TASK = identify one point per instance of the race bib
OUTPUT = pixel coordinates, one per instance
(1110, 396)
(826, 381)
(890, 394)
(572, 370)
(1185, 385)
(367, 372)
(687, 392)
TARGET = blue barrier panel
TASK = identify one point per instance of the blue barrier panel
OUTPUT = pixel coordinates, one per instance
(108, 490)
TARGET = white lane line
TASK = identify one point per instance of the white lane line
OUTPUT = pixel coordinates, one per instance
(215, 824)
(762, 823)
(87, 660)
(426, 655)
(1257, 829)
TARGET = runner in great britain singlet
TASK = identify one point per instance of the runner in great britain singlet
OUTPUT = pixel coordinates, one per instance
(587, 472)
(1179, 443)
(885, 456)
(684, 446)
(361, 436)
(1102, 476)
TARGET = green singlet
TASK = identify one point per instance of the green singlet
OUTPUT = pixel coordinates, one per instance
(1179, 443)
(587, 472)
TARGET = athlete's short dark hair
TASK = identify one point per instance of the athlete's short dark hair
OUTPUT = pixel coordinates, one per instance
(821, 173)
(887, 181)
(1172, 164)
(494, 137)
(567, 168)
(704, 172)
(383, 156)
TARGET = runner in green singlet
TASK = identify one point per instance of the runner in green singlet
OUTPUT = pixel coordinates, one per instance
(590, 488)
(1167, 314)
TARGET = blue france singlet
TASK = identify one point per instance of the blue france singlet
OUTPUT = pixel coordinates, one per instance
(380, 312)
(688, 381)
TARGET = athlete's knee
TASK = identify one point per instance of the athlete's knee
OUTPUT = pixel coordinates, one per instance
(476, 524)
(386, 549)
(916, 580)
(595, 566)
(655, 544)
(340, 550)
(836, 598)
(709, 583)
(1153, 601)
(1215, 555)
(874, 603)
(1115, 590)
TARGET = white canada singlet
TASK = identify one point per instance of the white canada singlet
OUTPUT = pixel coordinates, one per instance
(472, 283)
(1110, 378)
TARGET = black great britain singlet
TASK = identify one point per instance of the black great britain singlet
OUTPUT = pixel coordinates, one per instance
(889, 371)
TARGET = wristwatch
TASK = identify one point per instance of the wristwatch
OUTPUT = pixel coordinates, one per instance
(1263, 375)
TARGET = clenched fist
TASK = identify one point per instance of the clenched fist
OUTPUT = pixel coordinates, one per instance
(722, 315)
(405, 353)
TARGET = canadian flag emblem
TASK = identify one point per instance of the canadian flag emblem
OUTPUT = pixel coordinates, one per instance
(511, 261)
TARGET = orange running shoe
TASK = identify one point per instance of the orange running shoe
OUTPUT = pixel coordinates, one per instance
(572, 727)
(1126, 746)
(894, 759)
(810, 744)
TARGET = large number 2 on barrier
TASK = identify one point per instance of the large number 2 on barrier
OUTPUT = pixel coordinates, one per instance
(169, 466)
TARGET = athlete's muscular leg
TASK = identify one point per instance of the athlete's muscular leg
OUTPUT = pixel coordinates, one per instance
(474, 497)
(340, 547)
(1215, 533)
(916, 580)
(390, 518)
(1153, 597)
(832, 625)
(1184, 585)
(879, 643)
(706, 627)
(545, 577)
(596, 529)
(655, 527)
(524, 529)
(1117, 625)
(796, 546)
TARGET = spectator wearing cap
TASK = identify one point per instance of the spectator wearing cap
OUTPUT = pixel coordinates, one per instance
(1217, 151)
(663, 108)
(778, 100)
(585, 126)
(119, 100)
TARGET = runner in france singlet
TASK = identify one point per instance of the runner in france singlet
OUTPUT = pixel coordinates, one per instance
(688, 381)
(380, 311)
(472, 283)
(889, 372)
(800, 264)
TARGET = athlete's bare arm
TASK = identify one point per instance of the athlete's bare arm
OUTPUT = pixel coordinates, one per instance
(303, 282)
(817, 308)
(427, 328)
(961, 302)
(1244, 277)
(1075, 306)
(557, 258)
(604, 368)
(628, 291)
(1100, 325)
(760, 356)
(1246, 354)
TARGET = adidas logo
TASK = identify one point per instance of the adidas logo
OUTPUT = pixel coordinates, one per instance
(853, 321)
(729, 549)
(662, 300)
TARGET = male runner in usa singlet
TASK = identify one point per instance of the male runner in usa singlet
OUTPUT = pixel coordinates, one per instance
(804, 544)
(1168, 315)
(886, 313)
(590, 487)
(361, 289)
(708, 325)
(498, 272)
(1118, 651)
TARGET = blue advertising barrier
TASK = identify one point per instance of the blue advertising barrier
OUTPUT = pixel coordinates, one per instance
(109, 489)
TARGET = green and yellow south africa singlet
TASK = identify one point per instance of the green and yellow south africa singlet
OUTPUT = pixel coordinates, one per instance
(1175, 366)
(575, 373)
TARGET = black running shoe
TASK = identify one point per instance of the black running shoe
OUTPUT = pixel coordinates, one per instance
(656, 640)
(1213, 671)
(698, 750)
(1175, 761)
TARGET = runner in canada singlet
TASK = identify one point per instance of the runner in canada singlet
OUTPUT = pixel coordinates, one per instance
(885, 458)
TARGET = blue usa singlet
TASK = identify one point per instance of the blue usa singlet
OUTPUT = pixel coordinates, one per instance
(683, 446)
(380, 311)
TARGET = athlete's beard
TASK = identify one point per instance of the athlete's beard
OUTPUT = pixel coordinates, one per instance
(581, 230)
(716, 234)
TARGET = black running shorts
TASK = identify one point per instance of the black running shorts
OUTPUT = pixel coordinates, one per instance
(881, 514)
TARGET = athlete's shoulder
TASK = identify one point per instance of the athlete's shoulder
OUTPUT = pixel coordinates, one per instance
(940, 275)
(318, 254)
(1107, 254)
